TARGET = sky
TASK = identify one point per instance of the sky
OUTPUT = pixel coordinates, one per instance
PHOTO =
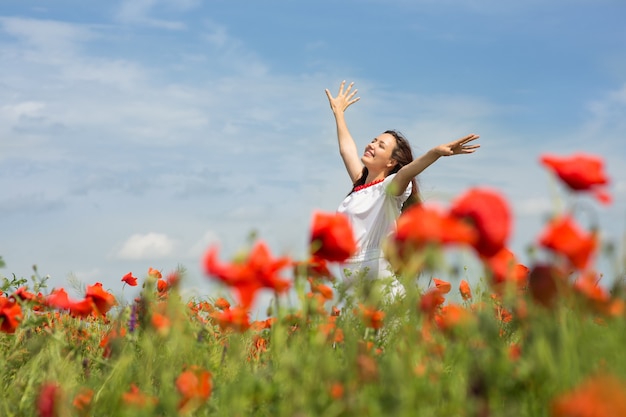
(135, 134)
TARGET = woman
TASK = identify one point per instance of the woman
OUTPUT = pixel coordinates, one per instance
(383, 181)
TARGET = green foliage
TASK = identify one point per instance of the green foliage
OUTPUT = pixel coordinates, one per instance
(408, 367)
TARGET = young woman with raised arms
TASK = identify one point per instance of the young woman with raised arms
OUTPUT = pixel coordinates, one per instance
(383, 181)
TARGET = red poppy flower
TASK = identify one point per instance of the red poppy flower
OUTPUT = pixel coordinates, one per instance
(443, 286)
(222, 303)
(372, 317)
(162, 286)
(580, 172)
(102, 299)
(173, 279)
(82, 400)
(130, 279)
(601, 395)
(161, 323)
(489, 213)
(453, 316)
(545, 282)
(258, 270)
(134, 397)
(236, 318)
(504, 267)
(10, 315)
(588, 285)
(420, 225)
(154, 273)
(110, 340)
(332, 237)
(23, 294)
(465, 290)
(324, 290)
(431, 301)
(314, 267)
(48, 401)
(563, 236)
(58, 298)
(83, 308)
(195, 386)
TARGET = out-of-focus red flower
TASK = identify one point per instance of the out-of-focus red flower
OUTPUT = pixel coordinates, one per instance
(515, 351)
(82, 400)
(173, 278)
(580, 172)
(258, 270)
(58, 298)
(161, 323)
(236, 318)
(453, 316)
(162, 286)
(315, 267)
(465, 290)
(332, 237)
(600, 395)
(109, 340)
(545, 281)
(502, 313)
(10, 314)
(371, 317)
(130, 279)
(421, 225)
(367, 368)
(431, 301)
(195, 386)
(563, 236)
(336, 390)
(443, 286)
(136, 398)
(23, 294)
(83, 308)
(102, 299)
(588, 285)
(222, 303)
(324, 290)
(259, 325)
(489, 213)
(154, 273)
(259, 346)
(48, 400)
(505, 268)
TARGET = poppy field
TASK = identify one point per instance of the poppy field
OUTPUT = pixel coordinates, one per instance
(543, 339)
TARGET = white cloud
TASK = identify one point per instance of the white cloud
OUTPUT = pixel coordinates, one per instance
(142, 11)
(22, 109)
(147, 246)
(51, 37)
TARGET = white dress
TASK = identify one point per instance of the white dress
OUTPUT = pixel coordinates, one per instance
(372, 212)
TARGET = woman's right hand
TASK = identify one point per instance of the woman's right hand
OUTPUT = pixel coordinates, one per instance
(345, 98)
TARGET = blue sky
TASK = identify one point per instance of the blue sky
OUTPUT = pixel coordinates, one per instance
(133, 134)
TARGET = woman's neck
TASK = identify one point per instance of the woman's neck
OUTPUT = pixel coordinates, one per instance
(375, 176)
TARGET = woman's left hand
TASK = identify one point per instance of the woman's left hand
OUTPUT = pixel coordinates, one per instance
(459, 146)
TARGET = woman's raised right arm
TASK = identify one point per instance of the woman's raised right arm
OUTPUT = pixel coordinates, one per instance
(347, 147)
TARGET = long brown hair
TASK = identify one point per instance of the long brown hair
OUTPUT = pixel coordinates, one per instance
(403, 155)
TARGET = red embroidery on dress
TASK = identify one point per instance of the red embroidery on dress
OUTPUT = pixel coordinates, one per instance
(360, 187)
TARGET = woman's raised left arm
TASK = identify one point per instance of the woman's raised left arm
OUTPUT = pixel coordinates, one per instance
(408, 172)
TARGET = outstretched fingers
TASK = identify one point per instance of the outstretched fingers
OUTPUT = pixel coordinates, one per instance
(345, 97)
(467, 139)
(462, 146)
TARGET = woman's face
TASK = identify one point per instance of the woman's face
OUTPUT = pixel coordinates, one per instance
(377, 155)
